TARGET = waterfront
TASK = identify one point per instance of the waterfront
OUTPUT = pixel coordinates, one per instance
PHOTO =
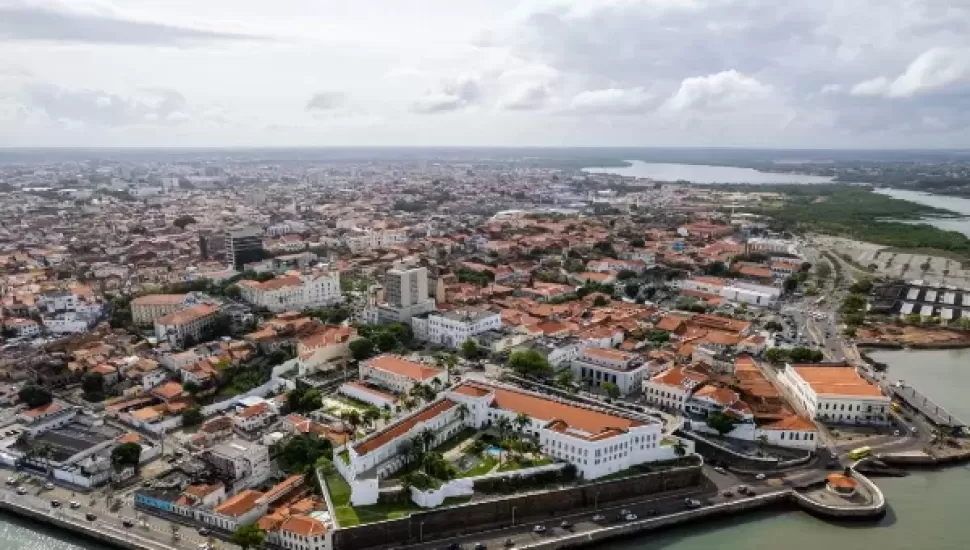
(954, 204)
(926, 507)
(20, 534)
(700, 173)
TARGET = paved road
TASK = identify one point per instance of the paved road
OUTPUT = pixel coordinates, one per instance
(146, 526)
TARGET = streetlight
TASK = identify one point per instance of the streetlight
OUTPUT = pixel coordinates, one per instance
(513, 516)
(421, 532)
(596, 501)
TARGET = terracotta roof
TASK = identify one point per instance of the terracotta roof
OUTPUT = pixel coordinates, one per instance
(304, 526)
(168, 390)
(403, 426)
(793, 423)
(203, 490)
(130, 437)
(611, 354)
(158, 300)
(187, 315)
(239, 504)
(372, 391)
(576, 418)
(147, 413)
(255, 410)
(473, 391)
(836, 380)
(49, 408)
(676, 377)
(721, 396)
(841, 481)
(402, 367)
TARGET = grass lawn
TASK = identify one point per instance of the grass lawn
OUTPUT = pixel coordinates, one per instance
(348, 516)
(513, 465)
(453, 442)
(484, 467)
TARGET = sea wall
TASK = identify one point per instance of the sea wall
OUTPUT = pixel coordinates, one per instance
(131, 541)
(476, 516)
(599, 536)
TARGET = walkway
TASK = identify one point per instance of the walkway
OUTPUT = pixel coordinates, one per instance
(937, 414)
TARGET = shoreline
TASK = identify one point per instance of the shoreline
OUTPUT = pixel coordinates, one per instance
(90, 532)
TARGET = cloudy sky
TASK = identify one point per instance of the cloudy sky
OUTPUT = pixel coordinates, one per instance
(733, 73)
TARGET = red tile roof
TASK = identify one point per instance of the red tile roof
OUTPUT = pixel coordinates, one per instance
(403, 367)
(403, 427)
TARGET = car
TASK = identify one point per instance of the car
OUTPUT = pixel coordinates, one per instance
(692, 503)
(90, 517)
(728, 493)
(127, 523)
(539, 529)
(630, 517)
(55, 504)
(21, 490)
(896, 433)
(760, 477)
(203, 531)
(599, 518)
(11, 480)
(49, 486)
(75, 505)
(565, 524)
(480, 546)
(624, 512)
(508, 543)
(720, 470)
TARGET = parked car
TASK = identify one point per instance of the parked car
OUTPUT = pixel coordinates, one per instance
(55, 504)
(720, 470)
(203, 531)
(728, 493)
(90, 517)
(21, 490)
(599, 518)
(480, 546)
(48, 486)
(128, 523)
(760, 477)
(630, 517)
(565, 524)
(692, 503)
(75, 505)
(539, 529)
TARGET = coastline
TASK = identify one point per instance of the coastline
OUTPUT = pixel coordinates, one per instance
(92, 532)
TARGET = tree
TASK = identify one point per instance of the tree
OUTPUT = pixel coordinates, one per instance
(125, 455)
(247, 536)
(720, 422)
(679, 448)
(93, 386)
(462, 411)
(565, 378)
(371, 415)
(775, 355)
(470, 349)
(601, 301)
(361, 348)
(862, 286)
(611, 389)
(790, 285)
(192, 387)
(625, 274)
(385, 341)
(637, 242)
(192, 416)
(34, 396)
(522, 421)
(183, 221)
(762, 441)
(530, 363)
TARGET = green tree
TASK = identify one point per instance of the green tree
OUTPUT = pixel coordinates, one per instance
(601, 301)
(361, 348)
(637, 242)
(611, 389)
(565, 378)
(125, 455)
(192, 416)
(93, 386)
(183, 221)
(192, 387)
(530, 363)
(34, 396)
(720, 422)
(385, 341)
(470, 349)
(625, 274)
(248, 536)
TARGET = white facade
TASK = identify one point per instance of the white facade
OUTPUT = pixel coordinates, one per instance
(453, 328)
(69, 323)
(186, 323)
(597, 366)
(294, 291)
(362, 393)
(361, 241)
(672, 388)
(838, 397)
(747, 293)
(400, 375)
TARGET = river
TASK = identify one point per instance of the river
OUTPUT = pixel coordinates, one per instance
(20, 534)
(700, 173)
(954, 204)
(926, 507)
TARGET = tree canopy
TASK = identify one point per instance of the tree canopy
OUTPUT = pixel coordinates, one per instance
(248, 536)
(530, 363)
(34, 396)
(125, 455)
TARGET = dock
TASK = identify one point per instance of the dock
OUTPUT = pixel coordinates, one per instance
(925, 406)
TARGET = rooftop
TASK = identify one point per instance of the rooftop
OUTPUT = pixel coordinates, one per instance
(403, 367)
(841, 380)
(403, 427)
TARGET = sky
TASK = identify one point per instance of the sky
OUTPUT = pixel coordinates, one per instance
(704, 73)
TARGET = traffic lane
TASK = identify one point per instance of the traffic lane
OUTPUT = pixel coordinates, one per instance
(580, 522)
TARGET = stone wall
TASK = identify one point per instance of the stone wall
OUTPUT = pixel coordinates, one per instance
(477, 516)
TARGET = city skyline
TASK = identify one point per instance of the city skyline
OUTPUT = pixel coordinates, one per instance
(608, 73)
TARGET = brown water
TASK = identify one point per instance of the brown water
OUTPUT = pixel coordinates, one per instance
(928, 509)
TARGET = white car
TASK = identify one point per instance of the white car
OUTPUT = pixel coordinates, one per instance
(630, 517)
(760, 477)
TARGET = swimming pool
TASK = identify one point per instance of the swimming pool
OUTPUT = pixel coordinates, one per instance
(493, 451)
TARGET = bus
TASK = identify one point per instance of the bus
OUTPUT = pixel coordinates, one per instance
(896, 408)
(860, 453)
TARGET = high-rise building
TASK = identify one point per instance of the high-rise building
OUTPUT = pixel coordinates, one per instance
(244, 246)
(406, 287)
(212, 245)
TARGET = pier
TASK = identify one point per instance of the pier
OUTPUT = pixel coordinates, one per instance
(935, 413)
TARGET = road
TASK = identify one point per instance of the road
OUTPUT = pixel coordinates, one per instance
(147, 526)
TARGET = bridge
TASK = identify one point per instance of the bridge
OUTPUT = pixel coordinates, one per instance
(935, 413)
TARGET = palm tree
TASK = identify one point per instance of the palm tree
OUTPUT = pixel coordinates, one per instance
(679, 448)
(386, 414)
(504, 426)
(762, 441)
(521, 421)
(436, 382)
(371, 416)
(427, 437)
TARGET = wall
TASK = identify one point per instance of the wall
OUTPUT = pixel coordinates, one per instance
(535, 506)
(436, 497)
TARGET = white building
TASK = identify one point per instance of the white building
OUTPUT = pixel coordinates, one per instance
(294, 291)
(367, 394)
(671, 388)
(146, 309)
(752, 294)
(360, 240)
(23, 328)
(69, 322)
(597, 366)
(246, 463)
(186, 323)
(596, 443)
(453, 328)
(836, 394)
(400, 375)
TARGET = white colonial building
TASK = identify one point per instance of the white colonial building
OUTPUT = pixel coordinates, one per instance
(399, 374)
(597, 366)
(836, 394)
(294, 291)
(453, 328)
(671, 388)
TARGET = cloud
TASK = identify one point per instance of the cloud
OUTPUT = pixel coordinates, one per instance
(715, 92)
(830, 89)
(873, 86)
(611, 101)
(530, 96)
(325, 101)
(101, 108)
(453, 95)
(932, 70)
(33, 23)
